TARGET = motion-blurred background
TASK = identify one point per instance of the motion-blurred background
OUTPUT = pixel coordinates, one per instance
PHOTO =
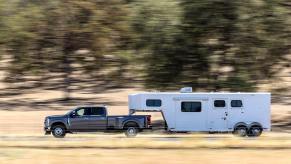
(62, 53)
(94, 45)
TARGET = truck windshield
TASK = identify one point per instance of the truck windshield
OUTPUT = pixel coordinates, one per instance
(70, 111)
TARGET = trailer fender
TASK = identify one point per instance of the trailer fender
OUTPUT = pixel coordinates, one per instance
(240, 124)
(255, 124)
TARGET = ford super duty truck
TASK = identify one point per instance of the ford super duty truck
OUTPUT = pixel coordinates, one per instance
(95, 119)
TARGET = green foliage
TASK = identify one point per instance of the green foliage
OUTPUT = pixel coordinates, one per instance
(50, 36)
(209, 45)
(216, 44)
(157, 27)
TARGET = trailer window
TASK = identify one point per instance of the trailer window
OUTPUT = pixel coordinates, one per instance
(236, 103)
(191, 106)
(219, 103)
(153, 102)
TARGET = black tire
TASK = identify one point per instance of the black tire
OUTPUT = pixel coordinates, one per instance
(131, 129)
(131, 132)
(255, 131)
(240, 131)
(59, 131)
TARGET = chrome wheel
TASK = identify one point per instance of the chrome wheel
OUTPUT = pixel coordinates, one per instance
(255, 131)
(131, 132)
(58, 131)
(240, 131)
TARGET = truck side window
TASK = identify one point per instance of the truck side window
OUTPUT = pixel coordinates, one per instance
(219, 103)
(80, 112)
(191, 106)
(83, 111)
(153, 102)
(99, 111)
(236, 103)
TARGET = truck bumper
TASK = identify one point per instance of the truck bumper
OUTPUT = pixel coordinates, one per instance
(47, 130)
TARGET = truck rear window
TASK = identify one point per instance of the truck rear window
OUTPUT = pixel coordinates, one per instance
(153, 102)
(97, 111)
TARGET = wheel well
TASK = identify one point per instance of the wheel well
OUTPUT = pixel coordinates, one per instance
(58, 123)
(255, 124)
(240, 124)
(248, 126)
(130, 123)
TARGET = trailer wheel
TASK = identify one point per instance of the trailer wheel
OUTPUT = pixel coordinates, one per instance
(255, 131)
(240, 131)
(131, 129)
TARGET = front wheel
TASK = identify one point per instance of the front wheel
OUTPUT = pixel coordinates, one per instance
(59, 131)
(131, 132)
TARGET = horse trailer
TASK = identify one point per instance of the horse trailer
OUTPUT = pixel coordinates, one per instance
(244, 114)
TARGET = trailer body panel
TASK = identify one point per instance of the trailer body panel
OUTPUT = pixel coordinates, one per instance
(214, 111)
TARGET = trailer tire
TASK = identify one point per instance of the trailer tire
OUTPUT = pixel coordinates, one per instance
(255, 131)
(240, 131)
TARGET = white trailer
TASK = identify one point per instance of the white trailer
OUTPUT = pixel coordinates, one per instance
(184, 111)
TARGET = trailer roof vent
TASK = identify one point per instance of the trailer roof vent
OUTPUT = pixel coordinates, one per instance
(186, 90)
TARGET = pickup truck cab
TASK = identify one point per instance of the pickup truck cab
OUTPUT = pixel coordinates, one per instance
(95, 119)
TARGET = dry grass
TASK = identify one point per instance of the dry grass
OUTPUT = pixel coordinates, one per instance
(192, 148)
(148, 141)
(125, 156)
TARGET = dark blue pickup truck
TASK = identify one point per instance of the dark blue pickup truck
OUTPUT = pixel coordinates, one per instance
(95, 119)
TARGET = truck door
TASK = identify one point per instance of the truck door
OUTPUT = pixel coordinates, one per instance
(97, 119)
(190, 115)
(218, 114)
(79, 119)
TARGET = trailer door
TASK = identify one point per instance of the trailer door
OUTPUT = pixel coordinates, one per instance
(218, 115)
(190, 115)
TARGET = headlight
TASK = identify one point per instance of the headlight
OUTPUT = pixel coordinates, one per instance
(47, 121)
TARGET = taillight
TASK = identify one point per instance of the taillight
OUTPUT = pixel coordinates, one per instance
(149, 120)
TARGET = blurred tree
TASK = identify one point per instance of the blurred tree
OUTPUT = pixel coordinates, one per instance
(210, 44)
(52, 36)
(157, 28)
